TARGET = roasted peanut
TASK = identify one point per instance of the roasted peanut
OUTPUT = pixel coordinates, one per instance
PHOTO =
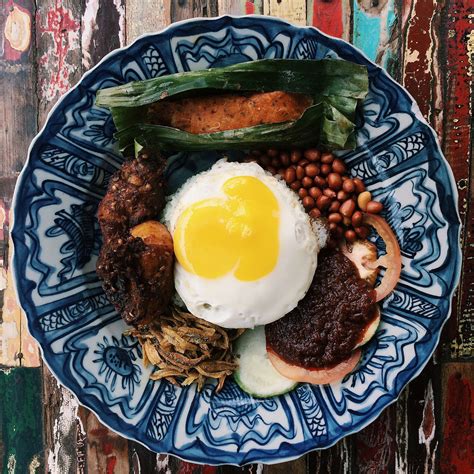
(334, 181)
(347, 208)
(325, 169)
(323, 202)
(308, 202)
(357, 218)
(312, 170)
(338, 166)
(315, 213)
(359, 185)
(348, 186)
(327, 158)
(312, 154)
(374, 207)
(363, 199)
(302, 193)
(335, 217)
(290, 175)
(295, 185)
(315, 192)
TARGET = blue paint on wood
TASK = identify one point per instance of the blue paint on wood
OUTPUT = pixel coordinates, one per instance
(21, 438)
(366, 31)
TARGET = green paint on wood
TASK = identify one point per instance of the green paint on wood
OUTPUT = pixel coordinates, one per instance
(21, 440)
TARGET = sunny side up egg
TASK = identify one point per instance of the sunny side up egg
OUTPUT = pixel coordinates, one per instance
(245, 248)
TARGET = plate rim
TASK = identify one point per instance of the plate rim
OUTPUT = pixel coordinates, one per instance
(458, 254)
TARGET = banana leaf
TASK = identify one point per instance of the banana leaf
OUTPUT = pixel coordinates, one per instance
(335, 86)
(321, 123)
(325, 77)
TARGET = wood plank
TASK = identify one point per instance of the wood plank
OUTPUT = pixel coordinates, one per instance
(375, 32)
(253, 7)
(247, 469)
(106, 451)
(298, 466)
(421, 66)
(423, 434)
(17, 346)
(401, 434)
(59, 56)
(17, 84)
(332, 17)
(185, 9)
(338, 458)
(102, 29)
(232, 7)
(458, 418)
(240, 7)
(458, 336)
(61, 428)
(374, 446)
(21, 443)
(146, 16)
(293, 11)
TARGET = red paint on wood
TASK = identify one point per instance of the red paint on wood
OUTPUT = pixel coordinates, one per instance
(111, 462)
(375, 445)
(457, 455)
(191, 468)
(457, 148)
(209, 470)
(327, 16)
(249, 8)
(59, 24)
(107, 448)
(428, 423)
(420, 77)
(99, 432)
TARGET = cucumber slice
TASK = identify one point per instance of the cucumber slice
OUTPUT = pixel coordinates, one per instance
(255, 374)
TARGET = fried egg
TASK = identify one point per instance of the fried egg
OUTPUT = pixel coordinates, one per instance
(245, 248)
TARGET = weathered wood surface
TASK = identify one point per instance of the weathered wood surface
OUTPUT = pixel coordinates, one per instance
(45, 47)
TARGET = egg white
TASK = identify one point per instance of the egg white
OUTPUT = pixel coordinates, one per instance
(227, 301)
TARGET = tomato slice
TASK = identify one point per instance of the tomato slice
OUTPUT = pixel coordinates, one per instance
(391, 261)
(317, 375)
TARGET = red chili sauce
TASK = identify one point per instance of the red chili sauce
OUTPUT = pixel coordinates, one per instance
(328, 322)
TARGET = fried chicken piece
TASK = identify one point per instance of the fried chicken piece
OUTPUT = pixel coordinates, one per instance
(136, 259)
(135, 194)
(216, 113)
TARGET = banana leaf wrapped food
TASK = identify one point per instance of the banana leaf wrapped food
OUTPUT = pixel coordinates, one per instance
(331, 90)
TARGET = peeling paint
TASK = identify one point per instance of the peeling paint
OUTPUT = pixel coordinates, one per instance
(34, 465)
(59, 459)
(162, 464)
(470, 51)
(121, 11)
(427, 429)
(89, 25)
(11, 464)
(18, 29)
(64, 32)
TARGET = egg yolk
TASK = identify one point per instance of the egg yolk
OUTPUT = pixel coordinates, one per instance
(238, 233)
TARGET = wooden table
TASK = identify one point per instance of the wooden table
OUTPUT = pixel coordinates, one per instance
(46, 46)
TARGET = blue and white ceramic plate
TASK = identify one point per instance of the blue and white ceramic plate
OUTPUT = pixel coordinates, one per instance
(57, 240)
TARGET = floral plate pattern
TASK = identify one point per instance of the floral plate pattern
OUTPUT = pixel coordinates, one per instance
(57, 239)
